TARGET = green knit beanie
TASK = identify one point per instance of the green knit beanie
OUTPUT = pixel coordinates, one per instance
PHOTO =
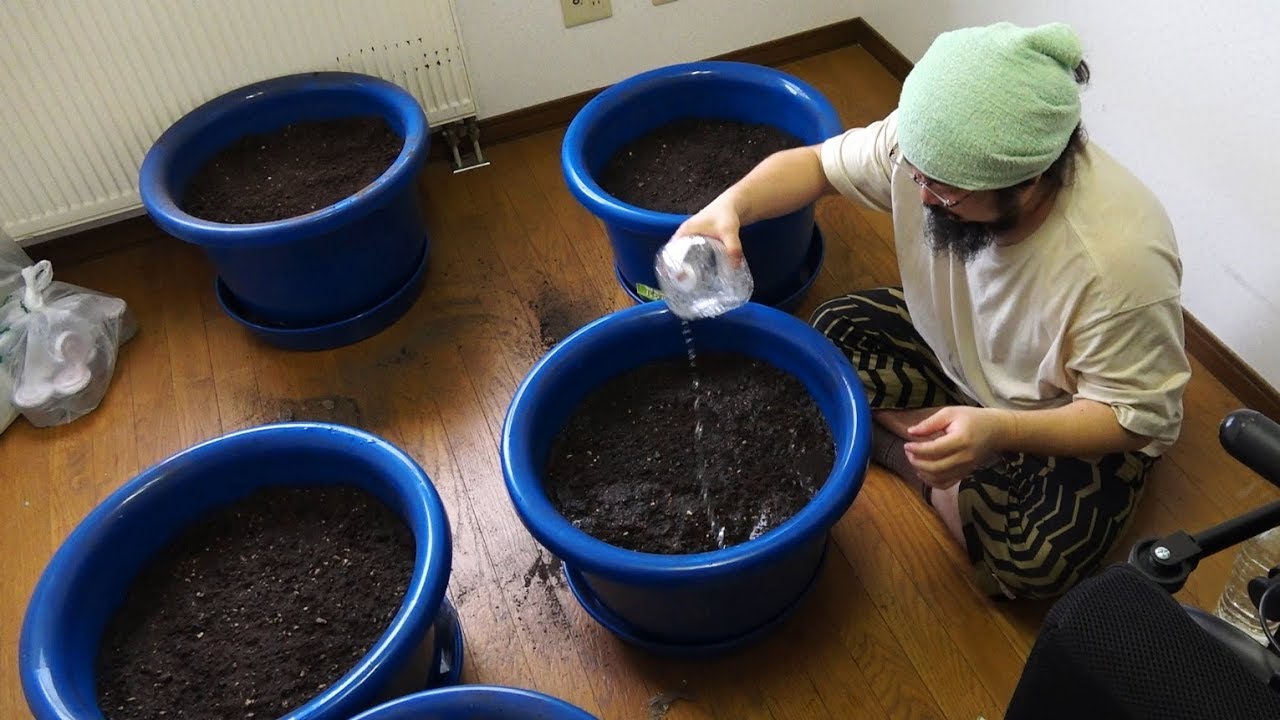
(989, 107)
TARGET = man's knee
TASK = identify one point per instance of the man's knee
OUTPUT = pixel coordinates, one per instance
(830, 310)
(1044, 576)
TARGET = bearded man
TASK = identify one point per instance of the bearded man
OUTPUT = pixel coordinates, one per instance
(1030, 369)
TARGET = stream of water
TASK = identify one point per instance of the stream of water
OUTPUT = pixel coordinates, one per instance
(699, 454)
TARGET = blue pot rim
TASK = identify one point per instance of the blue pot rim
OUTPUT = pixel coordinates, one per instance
(573, 149)
(163, 206)
(471, 698)
(421, 603)
(589, 554)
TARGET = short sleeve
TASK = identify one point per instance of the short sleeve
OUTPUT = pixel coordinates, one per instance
(1136, 362)
(857, 162)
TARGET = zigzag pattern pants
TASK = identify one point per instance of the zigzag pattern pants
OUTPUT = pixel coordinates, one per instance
(1034, 526)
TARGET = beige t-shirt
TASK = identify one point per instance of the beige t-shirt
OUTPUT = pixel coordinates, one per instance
(1086, 307)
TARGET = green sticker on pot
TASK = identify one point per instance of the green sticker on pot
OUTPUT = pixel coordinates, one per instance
(648, 293)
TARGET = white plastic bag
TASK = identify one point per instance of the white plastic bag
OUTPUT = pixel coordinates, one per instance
(12, 260)
(59, 345)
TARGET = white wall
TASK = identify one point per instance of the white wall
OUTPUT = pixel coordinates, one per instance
(1184, 93)
(519, 53)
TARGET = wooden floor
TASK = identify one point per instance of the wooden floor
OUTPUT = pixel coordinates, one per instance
(894, 630)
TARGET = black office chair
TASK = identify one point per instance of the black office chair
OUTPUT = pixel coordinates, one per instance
(1119, 646)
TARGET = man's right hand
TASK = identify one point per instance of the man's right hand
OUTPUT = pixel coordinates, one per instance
(720, 221)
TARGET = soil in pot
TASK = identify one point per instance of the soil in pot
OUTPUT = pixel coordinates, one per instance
(257, 608)
(290, 172)
(681, 167)
(631, 468)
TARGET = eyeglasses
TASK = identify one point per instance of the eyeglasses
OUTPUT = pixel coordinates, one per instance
(900, 161)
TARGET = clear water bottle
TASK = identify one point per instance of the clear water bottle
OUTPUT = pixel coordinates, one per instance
(697, 278)
(1257, 556)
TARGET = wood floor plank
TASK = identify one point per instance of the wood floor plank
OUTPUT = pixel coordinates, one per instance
(155, 396)
(1201, 454)
(843, 686)
(397, 378)
(473, 381)
(918, 624)
(29, 534)
(541, 153)
(550, 307)
(557, 246)
(188, 344)
(869, 641)
(940, 568)
(521, 568)
(859, 258)
(235, 381)
(493, 648)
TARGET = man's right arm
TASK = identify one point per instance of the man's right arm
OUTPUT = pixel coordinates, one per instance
(855, 163)
(782, 183)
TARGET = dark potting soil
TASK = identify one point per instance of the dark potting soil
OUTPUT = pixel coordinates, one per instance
(625, 468)
(257, 608)
(681, 167)
(293, 171)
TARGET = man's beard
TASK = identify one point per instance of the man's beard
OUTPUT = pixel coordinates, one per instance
(964, 240)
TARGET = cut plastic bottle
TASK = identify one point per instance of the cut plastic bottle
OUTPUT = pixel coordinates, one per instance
(699, 280)
(1256, 556)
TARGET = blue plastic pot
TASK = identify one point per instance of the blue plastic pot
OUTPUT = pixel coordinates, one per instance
(89, 575)
(776, 249)
(473, 702)
(317, 269)
(696, 603)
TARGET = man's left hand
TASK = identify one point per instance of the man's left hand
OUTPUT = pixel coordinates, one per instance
(955, 442)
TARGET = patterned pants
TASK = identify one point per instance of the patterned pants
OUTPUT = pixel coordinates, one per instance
(1033, 526)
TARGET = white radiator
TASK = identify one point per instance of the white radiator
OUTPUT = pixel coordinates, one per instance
(87, 85)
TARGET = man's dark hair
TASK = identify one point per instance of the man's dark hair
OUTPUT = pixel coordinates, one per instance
(1060, 172)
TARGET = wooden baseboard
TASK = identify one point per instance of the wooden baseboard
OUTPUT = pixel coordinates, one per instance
(877, 47)
(88, 245)
(1232, 371)
(557, 113)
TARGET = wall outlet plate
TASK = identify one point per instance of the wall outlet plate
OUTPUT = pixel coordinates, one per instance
(580, 12)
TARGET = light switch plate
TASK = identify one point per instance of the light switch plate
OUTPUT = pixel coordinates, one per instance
(580, 12)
